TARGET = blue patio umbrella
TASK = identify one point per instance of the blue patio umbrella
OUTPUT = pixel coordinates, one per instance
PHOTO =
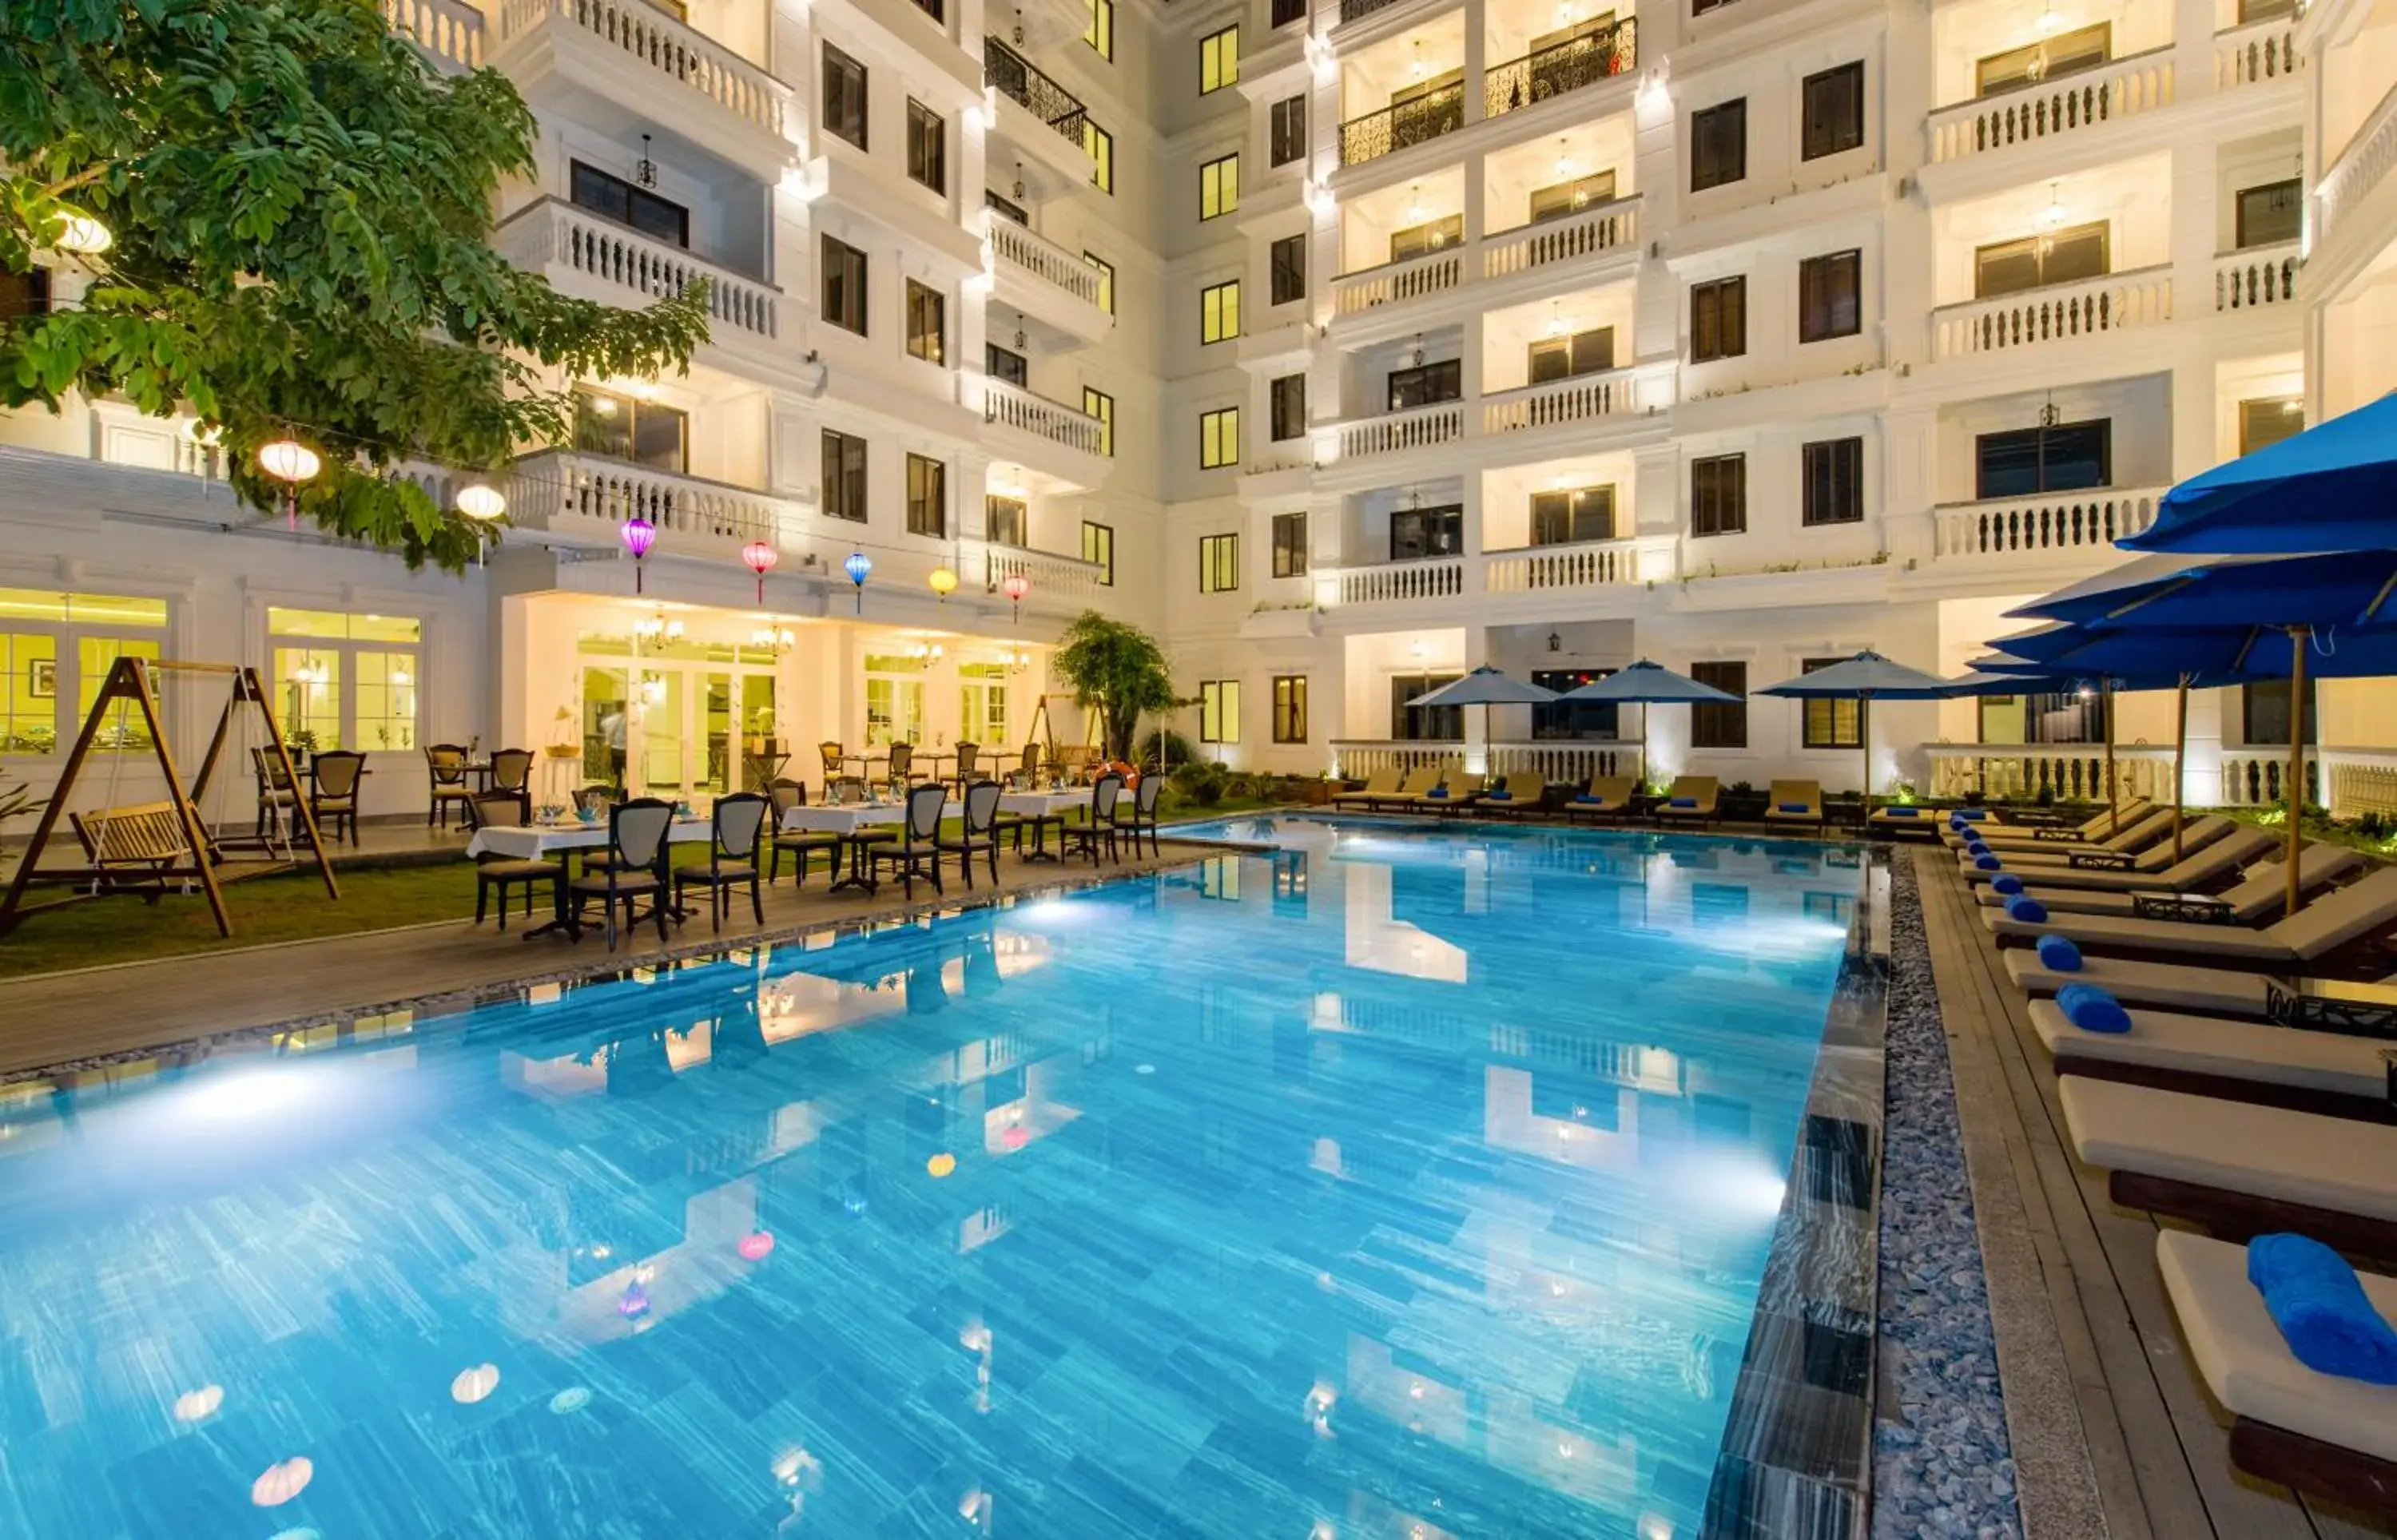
(1862, 679)
(2332, 488)
(1486, 686)
(1647, 683)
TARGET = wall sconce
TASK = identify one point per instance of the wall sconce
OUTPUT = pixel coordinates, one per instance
(1555, 643)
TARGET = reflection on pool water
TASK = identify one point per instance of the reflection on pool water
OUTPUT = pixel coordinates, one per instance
(1396, 1184)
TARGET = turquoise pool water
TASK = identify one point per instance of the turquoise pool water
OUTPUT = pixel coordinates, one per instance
(1400, 1183)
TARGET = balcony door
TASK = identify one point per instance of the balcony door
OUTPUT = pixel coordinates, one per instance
(1431, 723)
(1426, 384)
(1416, 532)
(679, 718)
(2060, 257)
(2067, 53)
(626, 427)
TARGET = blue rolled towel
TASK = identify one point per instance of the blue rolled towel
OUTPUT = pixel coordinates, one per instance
(1978, 847)
(1438, 793)
(1986, 862)
(1585, 797)
(2313, 1296)
(2005, 884)
(2029, 910)
(2092, 1009)
(1796, 807)
(1903, 812)
(1683, 801)
(1497, 796)
(1973, 815)
(2057, 954)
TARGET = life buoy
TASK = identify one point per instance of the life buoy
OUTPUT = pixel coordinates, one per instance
(1130, 777)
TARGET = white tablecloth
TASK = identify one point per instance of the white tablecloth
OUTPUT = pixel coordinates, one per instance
(531, 841)
(851, 816)
(1046, 805)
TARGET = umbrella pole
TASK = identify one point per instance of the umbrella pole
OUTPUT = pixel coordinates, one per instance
(2114, 798)
(2180, 751)
(2296, 787)
(1864, 732)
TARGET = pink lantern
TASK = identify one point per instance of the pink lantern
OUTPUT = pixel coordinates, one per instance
(638, 535)
(759, 558)
(1015, 586)
(757, 1246)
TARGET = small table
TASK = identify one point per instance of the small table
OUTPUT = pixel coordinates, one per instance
(2331, 1005)
(846, 819)
(532, 842)
(1043, 808)
(2195, 908)
(2099, 860)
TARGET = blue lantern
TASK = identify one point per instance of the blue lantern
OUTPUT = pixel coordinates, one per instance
(858, 566)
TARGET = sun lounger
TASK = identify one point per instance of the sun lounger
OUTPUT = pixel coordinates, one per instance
(2324, 1435)
(2236, 1169)
(1518, 796)
(2319, 928)
(2326, 1072)
(1795, 801)
(1906, 818)
(2151, 834)
(1413, 784)
(2170, 986)
(2253, 901)
(1605, 797)
(2111, 892)
(1457, 791)
(1691, 800)
(1381, 783)
(2099, 828)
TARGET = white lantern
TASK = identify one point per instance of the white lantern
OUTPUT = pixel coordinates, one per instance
(81, 235)
(290, 460)
(481, 503)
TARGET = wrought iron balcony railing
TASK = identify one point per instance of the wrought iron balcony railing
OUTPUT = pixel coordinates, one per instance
(1014, 77)
(1409, 123)
(1561, 67)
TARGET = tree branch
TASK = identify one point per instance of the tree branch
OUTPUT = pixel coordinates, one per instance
(88, 174)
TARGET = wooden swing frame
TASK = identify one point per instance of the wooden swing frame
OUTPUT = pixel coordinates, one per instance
(128, 678)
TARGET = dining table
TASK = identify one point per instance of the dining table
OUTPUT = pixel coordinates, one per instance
(849, 819)
(1044, 809)
(539, 841)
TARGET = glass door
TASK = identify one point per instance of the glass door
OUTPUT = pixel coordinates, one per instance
(661, 732)
(720, 735)
(607, 725)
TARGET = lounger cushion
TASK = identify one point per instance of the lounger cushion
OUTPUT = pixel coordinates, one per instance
(1987, 863)
(2174, 986)
(1902, 812)
(2268, 1152)
(2247, 1365)
(2091, 1009)
(1498, 796)
(2235, 1050)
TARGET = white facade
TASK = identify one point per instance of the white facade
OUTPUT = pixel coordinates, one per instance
(1735, 339)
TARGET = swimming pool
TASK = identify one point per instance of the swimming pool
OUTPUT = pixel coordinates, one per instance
(1398, 1182)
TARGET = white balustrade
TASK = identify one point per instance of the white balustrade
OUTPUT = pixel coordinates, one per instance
(555, 232)
(1013, 406)
(2263, 275)
(2070, 104)
(2091, 520)
(2258, 777)
(673, 51)
(1575, 400)
(2357, 170)
(1424, 428)
(450, 31)
(565, 485)
(1603, 228)
(1393, 582)
(2362, 780)
(1049, 262)
(2065, 772)
(1590, 563)
(1363, 757)
(2091, 308)
(1394, 282)
(2257, 52)
(1563, 762)
(1048, 571)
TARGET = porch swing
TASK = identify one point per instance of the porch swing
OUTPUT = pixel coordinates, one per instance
(152, 849)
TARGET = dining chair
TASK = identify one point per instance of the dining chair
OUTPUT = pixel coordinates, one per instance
(1084, 838)
(512, 773)
(493, 810)
(1143, 810)
(785, 794)
(968, 768)
(636, 869)
(596, 800)
(731, 857)
(333, 790)
(445, 764)
(277, 795)
(977, 831)
(899, 770)
(917, 851)
(1030, 768)
(835, 758)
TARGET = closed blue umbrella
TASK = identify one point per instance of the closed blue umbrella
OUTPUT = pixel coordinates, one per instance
(1646, 683)
(1862, 679)
(2332, 488)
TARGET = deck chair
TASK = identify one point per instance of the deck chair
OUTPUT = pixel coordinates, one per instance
(1795, 801)
(1434, 798)
(141, 839)
(2331, 1073)
(1459, 794)
(2111, 892)
(1690, 800)
(1413, 784)
(1516, 797)
(2235, 1169)
(2323, 1435)
(2088, 832)
(2363, 908)
(2151, 834)
(1381, 783)
(2256, 900)
(1604, 796)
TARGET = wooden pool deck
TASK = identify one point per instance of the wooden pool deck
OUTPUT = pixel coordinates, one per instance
(2113, 1433)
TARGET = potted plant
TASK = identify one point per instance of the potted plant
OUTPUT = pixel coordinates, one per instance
(1742, 803)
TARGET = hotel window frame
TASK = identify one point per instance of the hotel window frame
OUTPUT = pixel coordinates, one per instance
(2260, 701)
(1818, 137)
(1286, 271)
(2038, 61)
(1007, 365)
(1006, 521)
(847, 100)
(1219, 563)
(1831, 481)
(1716, 723)
(1106, 271)
(1286, 407)
(1829, 722)
(845, 476)
(1286, 130)
(350, 653)
(846, 278)
(1219, 60)
(1571, 506)
(1219, 311)
(1288, 532)
(1563, 200)
(1718, 495)
(635, 200)
(1219, 438)
(69, 676)
(928, 323)
(1099, 407)
(1289, 709)
(1219, 187)
(1099, 550)
(928, 497)
(1819, 303)
(1588, 351)
(1101, 32)
(1100, 146)
(1718, 144)
(2286, 416)
(1219, 711)
(1437, 532)
(2047, 253)
(1287, 11)
(927, 148)
(1421, 240)
(2041, 438)
(1719, 319)
(2292, 189)
(1432, 384)
(629, 430)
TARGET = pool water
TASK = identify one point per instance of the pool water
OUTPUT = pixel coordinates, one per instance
(1397, 1182)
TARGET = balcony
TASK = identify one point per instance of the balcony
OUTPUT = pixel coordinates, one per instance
(449, 31)
(1552, 72)
(1048, 281)
(2056, 523)
(1557, 402)
(1432, 115)
(2054, 111)
(1052, 577)
(1612, 227)
(1039, 118)
(2260, 52)
(583, 253)
(2261, 275)
(1589, 564)
(624, 62)
(1049, 436)
(1395, 582)
(2068, 772)
(567, 492)
(1423, 427)
(1603, 228)
(2057, 314)
(2360, 168)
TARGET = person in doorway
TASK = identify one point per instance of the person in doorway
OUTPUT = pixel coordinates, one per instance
(612, 723)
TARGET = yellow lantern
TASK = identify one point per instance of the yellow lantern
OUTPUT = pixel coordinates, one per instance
(943, 581)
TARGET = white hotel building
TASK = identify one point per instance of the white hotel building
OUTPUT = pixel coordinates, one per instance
(1348, 348)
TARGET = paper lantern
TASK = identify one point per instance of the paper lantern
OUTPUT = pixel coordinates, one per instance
(279, 1483)
(200, 1405)
(941, 1164)
(756, 1247)
(81, 235)
(481, 503)
(638, 535)
(943, 581)
(1015, 585)
(759, 557)
(858, 566)
(289, 460)
(475, 1384)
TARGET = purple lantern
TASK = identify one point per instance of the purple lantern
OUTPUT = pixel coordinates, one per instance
(638, 536)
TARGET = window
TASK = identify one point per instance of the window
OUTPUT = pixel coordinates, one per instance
(1008, 364)
(1416, 532)
(2048, 717)
(588, 187)
(1830, 297)
(1718, 494)
(1219, 311)
(1834, 112)
(1099, 550)
(2264, 423)
(1099, 405)
(2271, 214)
(1287, 396)
(1432, 725)
(894, 699)
(1830, 723)
(844, 476)
(927, 334)
(55, 652)
(933, 8)
(1718, 145)
(2026, 461)
(1287, 11)
(1100, 143)
(844, 96)
(927, 147)
(1219, 186)
(1219, 711)
(1106, 281)
(2264, 712)
(1101, 32)
(928, 497)
(1006, 208)
(1286, 131)
(844, 285)
(2067, 53)
(345, 680)
(2009, 267)
(1566, 199)
(982, 714)
(1594, 721)
(23, 293)
(1833, 471)
(1718, 724)
(1219, 564)
(1718, 319)
(1426, 384)
(1563, 357)
(1219, 438)
(1290, 545)
(1286, 265)
(1004, 519)
(627, 427)
(1431, 236)
(1289, 707)
(1219, 60)
(1563, 518)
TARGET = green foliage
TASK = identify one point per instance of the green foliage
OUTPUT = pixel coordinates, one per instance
(17, 799)
(1118, 671)
(1200, 783)
(1164, 745)
(301, 211)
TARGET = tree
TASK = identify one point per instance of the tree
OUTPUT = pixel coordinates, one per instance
(298, 210)
(1118, 671)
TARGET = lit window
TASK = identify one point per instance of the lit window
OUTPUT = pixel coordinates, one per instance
(1219, 60)
(1219, 311)
(1219, 186)
(1101, 32)
(1102, 147)
(1219, 711)
(1219, 564)
(1219, 438)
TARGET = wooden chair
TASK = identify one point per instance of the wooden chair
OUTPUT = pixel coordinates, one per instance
(977, 832)
(1143, 808)
(333, 790)
(277, 795)
(1030, 768)
(445, 766)
(835, 757)
(731, 857)
(900, 768)
(1084, 838)
(917, 851)
(636, 869)
(512, 773)
(785, 794)
(492, 809)
(968, 768)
